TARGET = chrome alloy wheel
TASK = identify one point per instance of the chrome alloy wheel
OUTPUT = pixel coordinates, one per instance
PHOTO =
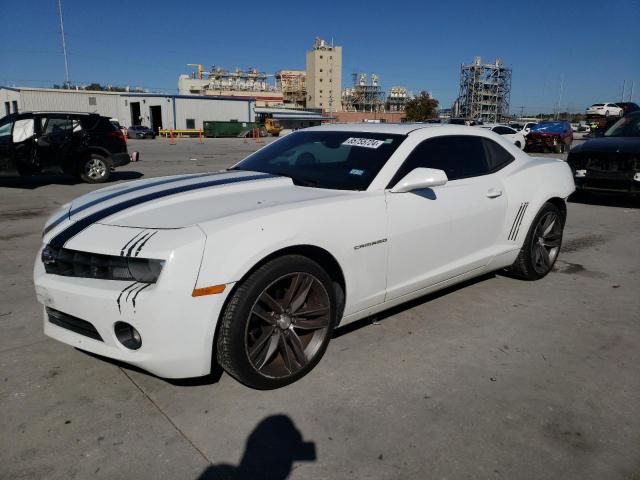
(95, 168)
(546, 241)
(287, 325)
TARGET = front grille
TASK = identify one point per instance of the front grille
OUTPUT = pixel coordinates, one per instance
(73, 323)
(71, 263)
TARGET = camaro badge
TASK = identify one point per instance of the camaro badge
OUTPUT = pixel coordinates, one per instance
(370, 244)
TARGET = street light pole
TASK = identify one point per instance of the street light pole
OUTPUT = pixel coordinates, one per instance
(64, 46)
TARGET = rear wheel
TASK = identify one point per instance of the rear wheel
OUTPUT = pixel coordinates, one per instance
(95, 169)
(541, 246)
(278, 323)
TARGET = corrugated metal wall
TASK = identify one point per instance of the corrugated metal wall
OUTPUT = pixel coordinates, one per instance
(202, 110)
(102, 103)
(118, 106)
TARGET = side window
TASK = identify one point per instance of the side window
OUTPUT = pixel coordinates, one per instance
(6, 124)
(58, 126)
(460, 156)
(497, 157)
(191, 123)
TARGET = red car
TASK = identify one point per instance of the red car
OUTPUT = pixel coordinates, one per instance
(551, 135)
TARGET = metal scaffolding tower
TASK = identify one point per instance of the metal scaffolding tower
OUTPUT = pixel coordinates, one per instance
(485, 91)
(364, 95)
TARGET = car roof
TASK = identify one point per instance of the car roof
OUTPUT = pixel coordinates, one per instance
(389, 128)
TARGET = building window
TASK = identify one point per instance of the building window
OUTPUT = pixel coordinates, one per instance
(320, 79)
(320, 91)
(191, 123)
(321, 57)
(320, 70)
(15, 106)
(92, 101)
(320, 103)
(7, 107)
(330, 80)
(330, 57)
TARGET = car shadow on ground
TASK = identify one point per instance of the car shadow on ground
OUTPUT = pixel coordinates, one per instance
(271, 449)
(606, 199)
(37, 181)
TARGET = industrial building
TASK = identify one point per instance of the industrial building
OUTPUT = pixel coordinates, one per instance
(150, 109)
(485, 91)
(364, 95)
(324, 76)
(293, 85)
(397, 99)
(247, 84)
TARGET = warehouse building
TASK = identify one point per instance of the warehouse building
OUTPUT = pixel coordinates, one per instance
(128, 108)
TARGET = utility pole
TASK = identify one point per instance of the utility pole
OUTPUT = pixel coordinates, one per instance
(631, 92)
(624, 84)
(521, 111)
(64, 46)
(560, 95)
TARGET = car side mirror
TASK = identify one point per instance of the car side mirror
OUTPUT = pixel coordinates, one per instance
(419, 178)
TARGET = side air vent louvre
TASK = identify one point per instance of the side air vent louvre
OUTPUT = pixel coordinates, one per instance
(515, 228)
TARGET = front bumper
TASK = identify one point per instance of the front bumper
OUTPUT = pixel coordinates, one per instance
(615, 182)
(177, 329)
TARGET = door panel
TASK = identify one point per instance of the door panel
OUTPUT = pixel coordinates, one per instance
(436, 234)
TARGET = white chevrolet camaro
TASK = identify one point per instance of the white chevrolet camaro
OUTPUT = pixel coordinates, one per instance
(254, 267)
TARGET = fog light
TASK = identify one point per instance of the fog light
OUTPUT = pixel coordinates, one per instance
(127, 335)
(636, 177)
(581, 173)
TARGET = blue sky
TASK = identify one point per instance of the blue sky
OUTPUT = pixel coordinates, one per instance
(594, 45)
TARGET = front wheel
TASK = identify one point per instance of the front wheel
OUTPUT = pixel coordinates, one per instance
(277, 324)
(95, 169)
(541, 246)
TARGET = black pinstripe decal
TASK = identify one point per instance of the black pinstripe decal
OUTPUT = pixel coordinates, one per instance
(122, 293)
(515, 228)
(129, 242)
(513, 225)
(59, 240)
(139, 249)
(137, 242)
(119, 193)
(133, 300)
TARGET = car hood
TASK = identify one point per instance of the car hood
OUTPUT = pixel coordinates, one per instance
(610, 145)
(181, 201)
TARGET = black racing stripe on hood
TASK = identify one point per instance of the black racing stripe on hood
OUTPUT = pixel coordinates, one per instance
(59, 240)
(119, 193)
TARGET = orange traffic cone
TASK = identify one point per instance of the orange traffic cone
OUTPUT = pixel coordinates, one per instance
(200, 139)
(172, 139)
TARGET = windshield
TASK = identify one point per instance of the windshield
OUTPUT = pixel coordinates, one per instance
(625, 127)
(322, 159)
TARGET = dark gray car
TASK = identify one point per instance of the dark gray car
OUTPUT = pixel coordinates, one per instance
(140, 131)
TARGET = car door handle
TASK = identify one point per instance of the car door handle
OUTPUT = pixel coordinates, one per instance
(494, 193)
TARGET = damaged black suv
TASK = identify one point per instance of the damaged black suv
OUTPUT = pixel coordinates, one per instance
(86, 145)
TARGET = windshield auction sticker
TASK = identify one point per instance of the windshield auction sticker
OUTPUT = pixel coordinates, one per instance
(363, 142)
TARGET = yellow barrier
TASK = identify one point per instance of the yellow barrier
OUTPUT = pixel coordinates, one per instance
(179, 133)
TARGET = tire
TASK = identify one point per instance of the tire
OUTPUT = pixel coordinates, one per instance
(277, 345)
(606, 113)
(95, 169)
(532, 263)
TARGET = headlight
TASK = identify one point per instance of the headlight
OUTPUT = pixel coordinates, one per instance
(71, 263)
